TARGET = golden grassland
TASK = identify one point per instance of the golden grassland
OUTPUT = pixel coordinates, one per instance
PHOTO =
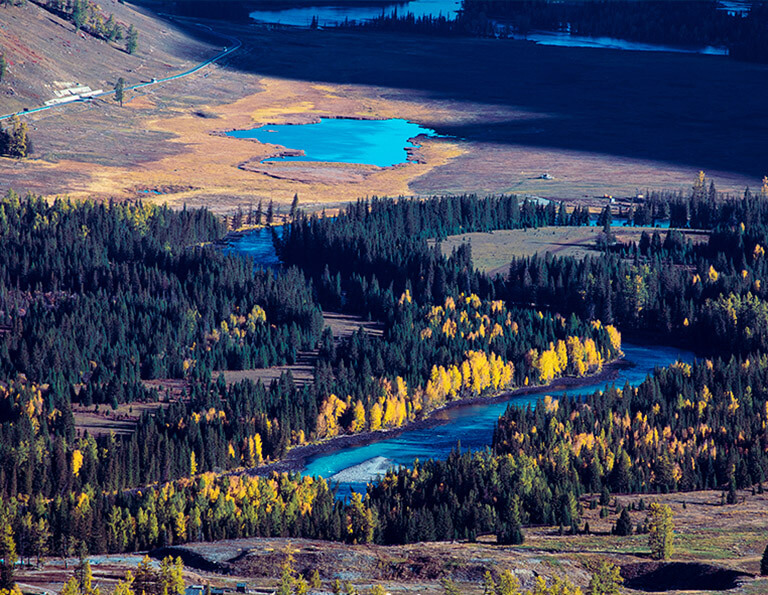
(206, 167)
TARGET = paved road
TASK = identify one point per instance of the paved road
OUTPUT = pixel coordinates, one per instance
(228, 50)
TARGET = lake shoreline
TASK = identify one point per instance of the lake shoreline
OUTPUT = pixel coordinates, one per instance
(295, 459)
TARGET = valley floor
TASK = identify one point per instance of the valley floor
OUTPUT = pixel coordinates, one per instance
(729, 537)
(511, 114)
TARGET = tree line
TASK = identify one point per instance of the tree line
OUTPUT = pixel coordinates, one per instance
(695, 24)
(88, 16)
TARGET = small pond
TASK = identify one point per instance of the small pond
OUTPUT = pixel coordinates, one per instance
(374, 142)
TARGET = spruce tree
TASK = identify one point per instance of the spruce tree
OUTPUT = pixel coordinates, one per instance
(78, 14)
(764, 563)
(131, 40)
(624, 524)
(119, 90)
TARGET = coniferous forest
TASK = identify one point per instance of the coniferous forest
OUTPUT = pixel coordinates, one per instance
(740, 30)
(99, 299)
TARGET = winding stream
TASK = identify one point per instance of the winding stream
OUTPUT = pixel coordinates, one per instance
(472, 425)
(329, 15)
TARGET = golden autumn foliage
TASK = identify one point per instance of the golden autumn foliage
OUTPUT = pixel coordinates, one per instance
(77, 462)
(237, 327)
(479, 324)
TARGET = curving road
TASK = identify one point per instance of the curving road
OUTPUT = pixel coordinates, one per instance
(227, 50)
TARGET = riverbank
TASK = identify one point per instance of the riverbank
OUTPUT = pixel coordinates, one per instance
(296, 458)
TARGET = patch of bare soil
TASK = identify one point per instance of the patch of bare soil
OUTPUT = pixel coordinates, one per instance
(417, 566)
(305, 174)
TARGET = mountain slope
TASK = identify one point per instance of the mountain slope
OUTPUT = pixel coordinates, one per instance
(45, 55)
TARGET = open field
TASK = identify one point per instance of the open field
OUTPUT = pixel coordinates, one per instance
(493, 251)
(730, 537)
(102, 420)
(590, 118)
(302, 372)
(342, 325)
(345, 325)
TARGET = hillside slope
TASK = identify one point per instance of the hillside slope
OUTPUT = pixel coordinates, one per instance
(46, 55)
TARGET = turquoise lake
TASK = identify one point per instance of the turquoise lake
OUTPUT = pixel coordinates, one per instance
(372, 142)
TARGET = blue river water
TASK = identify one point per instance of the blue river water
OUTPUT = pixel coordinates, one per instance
(328, 16)
(258, 245)
(470, 425)
(565, 39)
(373, 142)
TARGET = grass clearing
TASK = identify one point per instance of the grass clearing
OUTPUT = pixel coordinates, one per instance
(102, 420)
(342, 325)
(493, 251)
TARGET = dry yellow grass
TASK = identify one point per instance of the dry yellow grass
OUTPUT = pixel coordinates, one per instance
(209, 162)
(161, 140)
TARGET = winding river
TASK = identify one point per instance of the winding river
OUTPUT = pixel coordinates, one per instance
(470, 425)
(329, 15)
